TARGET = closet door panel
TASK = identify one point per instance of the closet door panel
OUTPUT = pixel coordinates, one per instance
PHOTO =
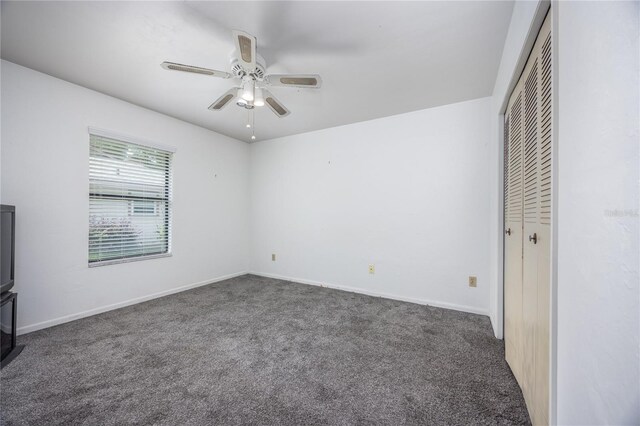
(530, 252)
(540, 408)
(513, 235)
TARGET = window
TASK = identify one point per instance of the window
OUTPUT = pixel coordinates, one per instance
(129, 201)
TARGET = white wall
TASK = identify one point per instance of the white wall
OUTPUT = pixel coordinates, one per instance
(598, 357)
(595, 347)
(408, 193)
(45, 159)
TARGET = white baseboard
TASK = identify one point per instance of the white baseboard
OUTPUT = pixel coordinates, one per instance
(453, 306)
(67, 318)
(494, 325)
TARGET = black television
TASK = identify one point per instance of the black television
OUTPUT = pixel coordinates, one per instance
(7, 246)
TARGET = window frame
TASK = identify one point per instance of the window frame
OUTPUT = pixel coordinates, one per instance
(168, 202)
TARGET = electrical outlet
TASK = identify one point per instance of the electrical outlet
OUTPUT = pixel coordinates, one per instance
(473, 281)
(273, 257)
(372, 269)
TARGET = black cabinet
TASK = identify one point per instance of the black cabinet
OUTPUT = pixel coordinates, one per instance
(8, 315)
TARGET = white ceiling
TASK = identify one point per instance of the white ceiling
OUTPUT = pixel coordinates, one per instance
(376, 58)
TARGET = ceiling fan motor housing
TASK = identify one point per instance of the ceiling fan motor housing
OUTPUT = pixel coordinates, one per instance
(257, 73)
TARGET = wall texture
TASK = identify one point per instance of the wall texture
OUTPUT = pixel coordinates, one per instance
(598, 198)
(45, 160)
(406, 193)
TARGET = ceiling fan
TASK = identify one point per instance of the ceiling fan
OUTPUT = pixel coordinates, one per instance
(249, 67)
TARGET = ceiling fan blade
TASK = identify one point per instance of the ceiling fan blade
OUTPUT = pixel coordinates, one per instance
(224, 100)
(246, 46)
(274, 104)
(172, 66)
(312, 81)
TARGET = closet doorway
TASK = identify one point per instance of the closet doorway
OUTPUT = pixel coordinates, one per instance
(527, 226)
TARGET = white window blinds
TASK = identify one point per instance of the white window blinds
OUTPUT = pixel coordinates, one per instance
(129, 200)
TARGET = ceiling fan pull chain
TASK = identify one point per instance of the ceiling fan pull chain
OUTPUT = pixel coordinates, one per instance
(253, 125)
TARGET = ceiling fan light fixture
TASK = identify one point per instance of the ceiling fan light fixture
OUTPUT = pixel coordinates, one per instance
(247, 90)
(258, 97)
(239, 100)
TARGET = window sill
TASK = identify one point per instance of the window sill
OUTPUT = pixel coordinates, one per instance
(128, 260)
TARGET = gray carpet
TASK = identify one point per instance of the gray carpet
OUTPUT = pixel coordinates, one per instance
(254, 350)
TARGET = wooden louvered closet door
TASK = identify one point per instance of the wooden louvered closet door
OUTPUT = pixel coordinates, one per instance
(527, 227)
(513, 235)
